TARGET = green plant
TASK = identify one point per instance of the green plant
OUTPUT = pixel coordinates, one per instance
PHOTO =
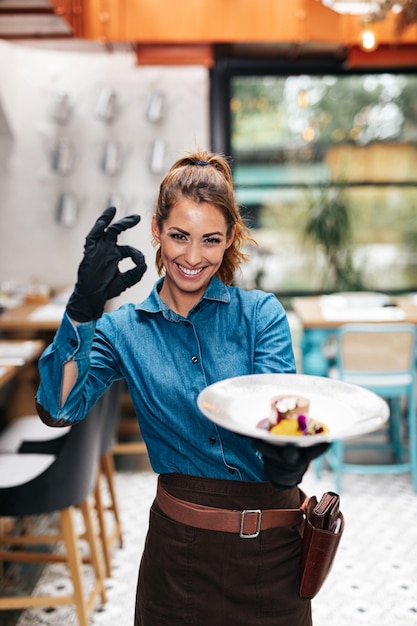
(328, 226)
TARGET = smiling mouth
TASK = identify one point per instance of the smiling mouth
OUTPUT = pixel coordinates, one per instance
(188, 272)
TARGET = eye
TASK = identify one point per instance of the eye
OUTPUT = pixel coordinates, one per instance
(212, 240)
(177, 236)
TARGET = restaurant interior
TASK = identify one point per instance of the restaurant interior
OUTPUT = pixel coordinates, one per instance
(314, 101)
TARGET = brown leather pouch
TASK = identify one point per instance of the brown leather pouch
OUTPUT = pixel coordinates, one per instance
(324, 525)
(326, 512)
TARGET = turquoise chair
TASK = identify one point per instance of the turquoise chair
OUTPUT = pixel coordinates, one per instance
(381, 358)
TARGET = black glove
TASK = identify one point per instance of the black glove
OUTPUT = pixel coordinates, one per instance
(99, 278)
(286, 465)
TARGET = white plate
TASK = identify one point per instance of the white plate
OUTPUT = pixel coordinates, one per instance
(354, 299)
(239, 404)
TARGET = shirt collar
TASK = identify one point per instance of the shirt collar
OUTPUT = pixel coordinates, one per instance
(216, 291)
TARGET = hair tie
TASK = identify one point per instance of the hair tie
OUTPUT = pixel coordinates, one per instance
(201, 163)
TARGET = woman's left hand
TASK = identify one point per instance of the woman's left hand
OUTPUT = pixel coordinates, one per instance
(286, 465)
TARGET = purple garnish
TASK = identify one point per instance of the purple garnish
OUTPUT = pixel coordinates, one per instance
(302, 423)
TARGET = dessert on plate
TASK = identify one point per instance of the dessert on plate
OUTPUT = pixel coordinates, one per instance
(289, 415)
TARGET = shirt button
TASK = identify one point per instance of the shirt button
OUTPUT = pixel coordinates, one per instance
(73, 343)
(231, 470)
(187, 323)
(194, 359)
(212, 439)
(197, 307)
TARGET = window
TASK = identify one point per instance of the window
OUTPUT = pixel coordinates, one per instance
(299, 140)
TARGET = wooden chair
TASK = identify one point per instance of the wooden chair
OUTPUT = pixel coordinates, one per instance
(381, 358)
(40, 483)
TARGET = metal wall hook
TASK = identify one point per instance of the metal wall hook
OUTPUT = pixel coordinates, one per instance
(111, 162)
(63, 157)
(62, 108)
(107, 106)
(67, 210)
(157, 156)
(155, 110)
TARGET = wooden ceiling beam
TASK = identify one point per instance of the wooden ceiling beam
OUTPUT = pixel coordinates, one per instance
(150, 23)
(225, 21)
(175, 54)
(389, 57)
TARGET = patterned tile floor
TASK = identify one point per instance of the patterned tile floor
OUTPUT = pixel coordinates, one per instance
(373, 581)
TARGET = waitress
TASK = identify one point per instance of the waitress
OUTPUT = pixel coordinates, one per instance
(200, 566)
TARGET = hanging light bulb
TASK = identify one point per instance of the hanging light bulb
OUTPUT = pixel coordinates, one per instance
(368, 41)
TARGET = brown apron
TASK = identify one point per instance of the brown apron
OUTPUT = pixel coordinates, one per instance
(193, 576)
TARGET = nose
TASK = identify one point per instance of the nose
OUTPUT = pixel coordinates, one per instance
(193, 255)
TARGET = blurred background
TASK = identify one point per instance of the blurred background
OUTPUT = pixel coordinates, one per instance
(97, 98)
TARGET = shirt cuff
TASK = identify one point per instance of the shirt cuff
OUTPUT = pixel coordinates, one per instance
(74, 341)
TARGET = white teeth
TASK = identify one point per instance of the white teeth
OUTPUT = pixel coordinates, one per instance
(190, 272)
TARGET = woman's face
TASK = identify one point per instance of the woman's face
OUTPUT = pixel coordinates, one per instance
(193, 241)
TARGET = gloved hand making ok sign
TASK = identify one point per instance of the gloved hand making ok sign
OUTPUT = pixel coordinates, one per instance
(99, 277)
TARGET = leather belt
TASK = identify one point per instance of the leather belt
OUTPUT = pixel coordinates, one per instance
(247, 523)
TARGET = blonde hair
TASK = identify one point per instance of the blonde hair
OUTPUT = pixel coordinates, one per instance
(205, 177)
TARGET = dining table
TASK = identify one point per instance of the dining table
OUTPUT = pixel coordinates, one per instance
(26, 328)
(31, 320)
(7, 372)
(18, 367)
(320, 316)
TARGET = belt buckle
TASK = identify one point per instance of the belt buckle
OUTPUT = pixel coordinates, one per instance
(245, 512)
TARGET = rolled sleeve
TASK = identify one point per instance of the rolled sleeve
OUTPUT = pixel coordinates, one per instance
(71, 343)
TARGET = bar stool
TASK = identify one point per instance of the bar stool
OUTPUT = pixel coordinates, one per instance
(29, 434)
(34, 484)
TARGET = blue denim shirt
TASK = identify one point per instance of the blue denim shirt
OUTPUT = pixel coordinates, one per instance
(167, 360)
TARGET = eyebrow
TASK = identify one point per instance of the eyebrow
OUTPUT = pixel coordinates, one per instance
(184, 232)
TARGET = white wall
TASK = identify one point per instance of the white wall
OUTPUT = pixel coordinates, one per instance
(33, 245)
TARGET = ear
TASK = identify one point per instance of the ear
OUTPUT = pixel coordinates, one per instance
(231, 237)
(155, 230)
